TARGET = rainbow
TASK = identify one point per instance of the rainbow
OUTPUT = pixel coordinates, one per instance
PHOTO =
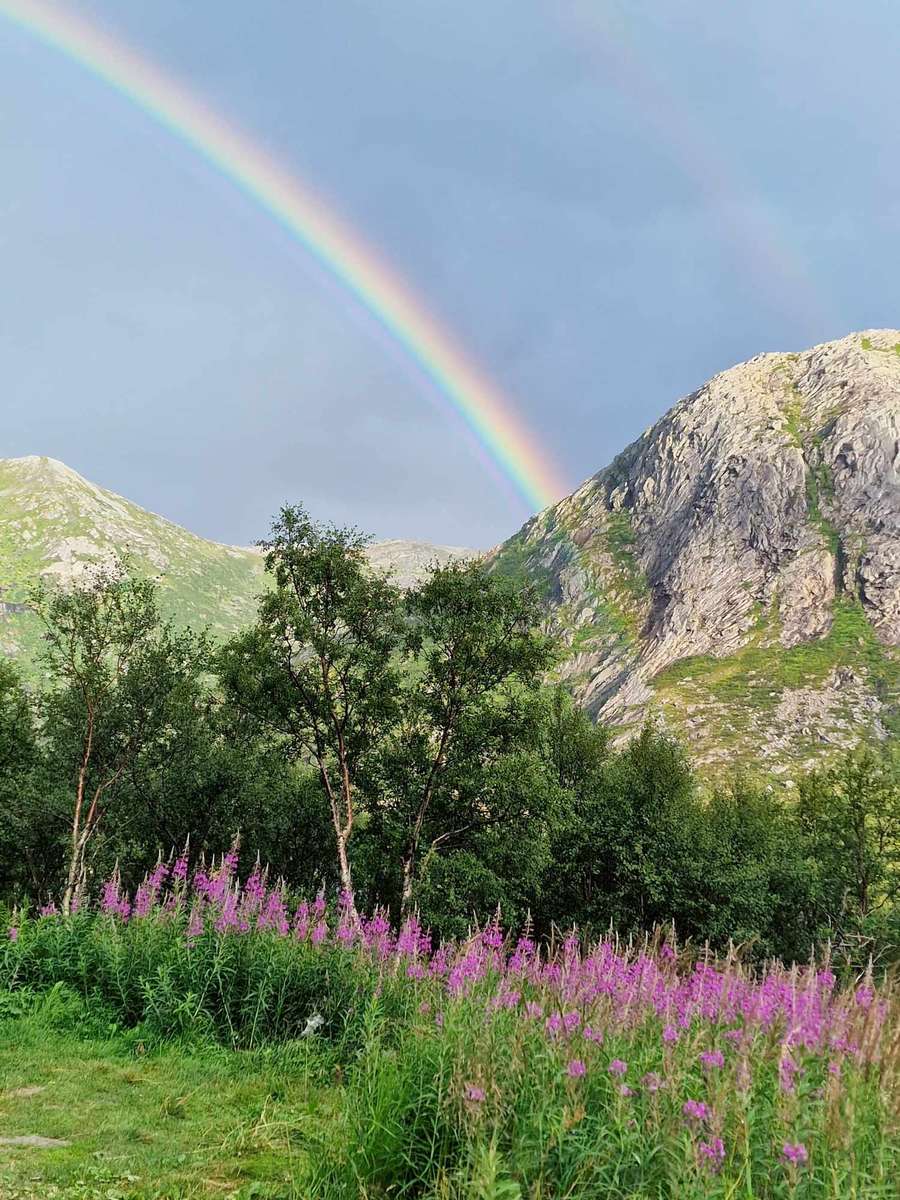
(340, 250)
(768, 255)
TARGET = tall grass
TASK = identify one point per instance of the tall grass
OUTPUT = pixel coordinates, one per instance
(497, 1068)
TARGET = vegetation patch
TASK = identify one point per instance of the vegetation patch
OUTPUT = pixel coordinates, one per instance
(757, 674)
(490, 1066)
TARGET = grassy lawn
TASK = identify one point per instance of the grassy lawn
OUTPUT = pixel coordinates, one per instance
(167, 1123)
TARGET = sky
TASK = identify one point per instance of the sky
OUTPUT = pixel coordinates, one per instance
(603, 201)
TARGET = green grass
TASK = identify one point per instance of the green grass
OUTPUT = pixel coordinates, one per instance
(756, 672)
(867, 345)
(736, 692)
(149, 1123)
(621, 540)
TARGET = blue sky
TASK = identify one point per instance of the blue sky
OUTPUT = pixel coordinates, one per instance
(606, 202)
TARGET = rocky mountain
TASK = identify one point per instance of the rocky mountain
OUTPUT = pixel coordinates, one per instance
(53, 522)
(736, 570)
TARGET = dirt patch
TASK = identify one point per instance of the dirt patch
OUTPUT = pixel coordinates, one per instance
(35, 1140)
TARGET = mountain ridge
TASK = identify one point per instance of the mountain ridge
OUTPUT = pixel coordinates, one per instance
(55, 523)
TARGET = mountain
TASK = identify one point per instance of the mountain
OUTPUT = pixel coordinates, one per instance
(736, 570)
(55, 523)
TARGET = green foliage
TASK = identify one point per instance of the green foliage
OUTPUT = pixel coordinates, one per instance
(119, 672)
(319, 668)
(456, 763)
(202, 584)
(620, 539)
(849, 819)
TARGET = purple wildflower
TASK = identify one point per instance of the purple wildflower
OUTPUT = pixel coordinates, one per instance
(864, 996)
(670, 1034)
(617, 1067)
(794, 1153)
(787, 1070)
(712, 1059)
(13, 933)
(474, 1094)
(712, 1153)
(576, 1068)
(695, 1110)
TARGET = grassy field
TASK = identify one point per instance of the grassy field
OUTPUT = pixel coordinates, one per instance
(200, 1038)
(150, 1123)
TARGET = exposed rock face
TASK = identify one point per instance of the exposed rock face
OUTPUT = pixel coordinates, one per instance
(55, 523)
(741, 558)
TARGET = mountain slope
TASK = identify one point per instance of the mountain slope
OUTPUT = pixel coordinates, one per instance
(53, 522)
(737, 568)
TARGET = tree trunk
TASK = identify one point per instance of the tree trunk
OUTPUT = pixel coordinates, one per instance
(407, 888)
(76, 857)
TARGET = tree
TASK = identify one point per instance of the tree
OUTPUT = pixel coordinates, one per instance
(473, 641)
(320, 666)
(849, 818)
(624, 851)
(22, 791)
(115, 666)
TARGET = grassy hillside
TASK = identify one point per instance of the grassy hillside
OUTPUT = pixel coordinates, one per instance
(55, 523)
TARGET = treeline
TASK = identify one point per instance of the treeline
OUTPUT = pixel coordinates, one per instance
(403, 747)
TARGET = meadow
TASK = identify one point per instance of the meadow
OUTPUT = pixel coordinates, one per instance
(206, 1036)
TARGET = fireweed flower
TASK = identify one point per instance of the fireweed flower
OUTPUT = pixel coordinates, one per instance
(787, 1071)
(652, 1082)
(195, 924)
(474, 1094)
(864, 996)
(712, 1153)
(617, 1067)
(712, 1059)
(670, 1034)
(571, 1021)
(794, 1153)
(592, 1035)
(13, 933)
(695, 1110)
(625, 1090)
(576, 1068)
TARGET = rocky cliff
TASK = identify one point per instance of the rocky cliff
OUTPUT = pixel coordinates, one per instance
(737, 568)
